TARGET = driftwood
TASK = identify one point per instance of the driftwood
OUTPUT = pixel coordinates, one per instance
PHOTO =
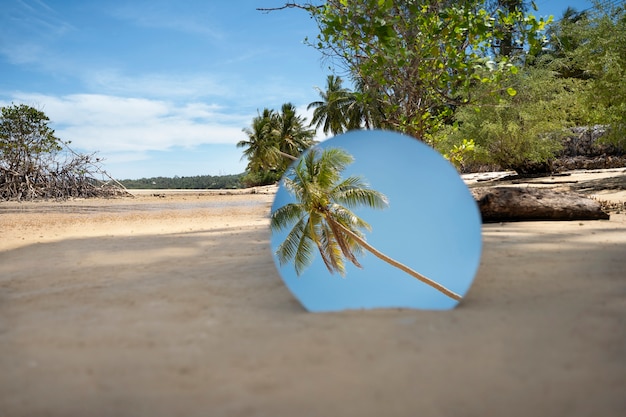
(499, 204)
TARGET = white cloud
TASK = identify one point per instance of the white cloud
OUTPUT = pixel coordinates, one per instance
(129, 133)
(110, 124)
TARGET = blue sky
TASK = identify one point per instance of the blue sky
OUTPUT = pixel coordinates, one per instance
(161, 87)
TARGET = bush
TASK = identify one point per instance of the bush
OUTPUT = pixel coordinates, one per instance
(602, 55)
(519, 128)
(258, 178)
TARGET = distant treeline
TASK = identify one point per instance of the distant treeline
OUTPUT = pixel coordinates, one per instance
(197, 182)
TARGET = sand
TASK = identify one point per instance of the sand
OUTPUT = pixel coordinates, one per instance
(171, 305)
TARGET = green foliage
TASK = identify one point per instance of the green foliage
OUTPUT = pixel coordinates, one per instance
(601, 53)
(253, 178)
(509, 27)
(562, 43)
(334, 113)
(521, 131)
(460, 153)
(25, 137)
(274, 140)
(198, 182)
(417, 59)
(483, 81)
(576, 81)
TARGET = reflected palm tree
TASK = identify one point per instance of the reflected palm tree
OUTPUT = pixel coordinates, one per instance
(322, 218)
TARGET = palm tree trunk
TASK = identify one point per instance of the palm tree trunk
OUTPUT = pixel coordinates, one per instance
(395, 263)
(286, 155)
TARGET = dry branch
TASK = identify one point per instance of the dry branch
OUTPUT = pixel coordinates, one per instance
(58, 176)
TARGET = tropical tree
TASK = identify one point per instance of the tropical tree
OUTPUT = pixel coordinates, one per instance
(260, 147)
(341, 109)
(25, 138)
(293, 134)
(329, 112)
(417, 58)
(274, 140)
(322, 218)
(335, 112)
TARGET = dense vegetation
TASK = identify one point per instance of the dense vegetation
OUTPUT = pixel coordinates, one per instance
(187, 183)
(482, 81)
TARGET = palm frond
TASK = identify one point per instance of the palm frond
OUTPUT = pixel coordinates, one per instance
(296, 184)
(287, 250)
(347, 245)
(304, 254)
(330, 251)
(354, 224)
(286, 215)
(331, 163)
(354, 192)
(348, 219)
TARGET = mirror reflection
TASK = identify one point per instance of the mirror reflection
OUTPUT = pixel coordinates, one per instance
(374, 219)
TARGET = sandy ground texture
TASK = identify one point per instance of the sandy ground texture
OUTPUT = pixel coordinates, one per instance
(170, 305)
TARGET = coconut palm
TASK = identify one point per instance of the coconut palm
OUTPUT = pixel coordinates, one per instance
(331, 112)
(321, 218)
(365, 110)
(292, 136)
(261, 144)
(274, 140)
(340, 109)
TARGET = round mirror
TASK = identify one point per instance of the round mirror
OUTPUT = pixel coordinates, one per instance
(375, 219)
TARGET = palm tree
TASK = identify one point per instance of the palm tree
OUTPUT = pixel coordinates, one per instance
(365, 109)
(331, 112)
(292, 136)
(261, 143)
(321, 218)
(274, 140)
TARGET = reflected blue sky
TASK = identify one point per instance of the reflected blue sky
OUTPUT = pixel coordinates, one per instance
(432, 225)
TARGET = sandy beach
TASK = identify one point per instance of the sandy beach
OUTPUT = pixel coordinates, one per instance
(169, 304)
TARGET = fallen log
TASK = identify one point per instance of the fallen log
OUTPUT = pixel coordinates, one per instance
(498, 204)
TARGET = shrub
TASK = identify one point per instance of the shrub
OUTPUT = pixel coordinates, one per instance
(519, 128)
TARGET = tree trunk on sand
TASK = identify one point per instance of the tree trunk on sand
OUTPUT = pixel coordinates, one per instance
(397, 264)
(519, 204)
